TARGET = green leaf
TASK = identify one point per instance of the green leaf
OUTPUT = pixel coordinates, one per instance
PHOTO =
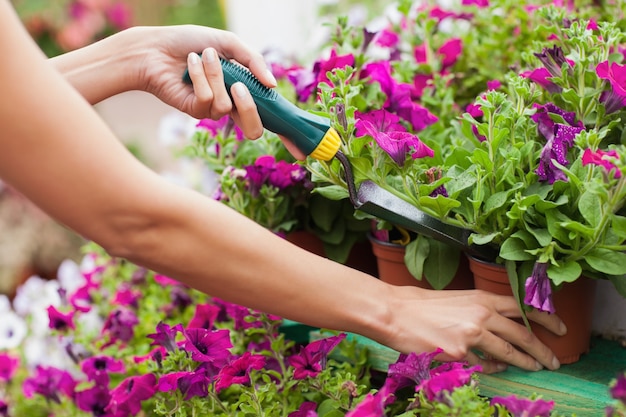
(441, 264)
(606, 261)
(514, 249)
(619, 282)
(590, 206)
(332, 192)
(324, 212)
(440, 205)
(565, 272)
(518, 292)
(480, 239)
(618, 225)
(415, 255)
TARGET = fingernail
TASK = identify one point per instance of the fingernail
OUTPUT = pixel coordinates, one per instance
(538, 366)
(193, 58)
(562, 328)
(271, 77)
(209, 55)
(501, 366)
(240, 89)
(555, 363)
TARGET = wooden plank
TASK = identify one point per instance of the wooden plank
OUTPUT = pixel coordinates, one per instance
(580, 388)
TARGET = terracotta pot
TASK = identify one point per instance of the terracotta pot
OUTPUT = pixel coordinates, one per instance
(360, 257)
(573, 303)
(393, 270)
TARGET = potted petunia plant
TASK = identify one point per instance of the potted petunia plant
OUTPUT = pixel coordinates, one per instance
(516, 138)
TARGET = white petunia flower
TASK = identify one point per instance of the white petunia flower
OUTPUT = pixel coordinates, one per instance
(13, 330)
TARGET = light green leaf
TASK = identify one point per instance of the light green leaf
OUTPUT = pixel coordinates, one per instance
(606, 261)
(441, 264)
(415, 255)
(513, 249)
(590, 206)
(564, 272)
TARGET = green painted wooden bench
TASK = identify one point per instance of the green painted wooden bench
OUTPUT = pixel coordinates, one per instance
(581, 388)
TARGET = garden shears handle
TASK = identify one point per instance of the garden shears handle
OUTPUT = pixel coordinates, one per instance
(312, 134)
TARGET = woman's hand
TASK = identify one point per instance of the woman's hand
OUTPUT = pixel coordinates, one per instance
(469, 325)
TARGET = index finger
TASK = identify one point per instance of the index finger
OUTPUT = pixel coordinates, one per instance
(231, 47)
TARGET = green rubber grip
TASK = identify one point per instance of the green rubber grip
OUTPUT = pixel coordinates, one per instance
(312, 134)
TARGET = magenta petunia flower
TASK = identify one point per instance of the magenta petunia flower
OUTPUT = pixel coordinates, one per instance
(223, 125)
(445, 378)
(307, 409)
(126, 398)
(312, 358)
(539, 289)
(163, 280)
(94, 400)
(478, 3)
(450, 52)
(60, 321)
(618, 390)
(49, 382)
(387, 38)
(8, 366)
(126, 296)
(614, 99)
(334, 61)
(540, 76)
(120, 325)
(97, 368)
(525, 407)
(603, 159)
(373, 405)
(397, 144)
(204, 316)
(208, 345)
(237, 371)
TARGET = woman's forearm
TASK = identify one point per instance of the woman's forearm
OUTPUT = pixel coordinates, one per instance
(103, 69)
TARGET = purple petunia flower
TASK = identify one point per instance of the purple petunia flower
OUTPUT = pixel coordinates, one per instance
(49, 382)
(94, 400)
(311, 360)
(450, 52)
(237, 371)
(97, 368)
(553, 60)
(618, 390)
(525, 407)
(166, 336)
(304, 82)
(120, 325)
(412, 369)
(126, 398)
(559, 138)
(126, 296)
(208, 345)
(334, 61)
(539, 289)
(190, 384)
(60, 321)
(8, 366)
(4, 409)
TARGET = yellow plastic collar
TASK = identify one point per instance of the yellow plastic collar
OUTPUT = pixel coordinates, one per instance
(328, 146)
